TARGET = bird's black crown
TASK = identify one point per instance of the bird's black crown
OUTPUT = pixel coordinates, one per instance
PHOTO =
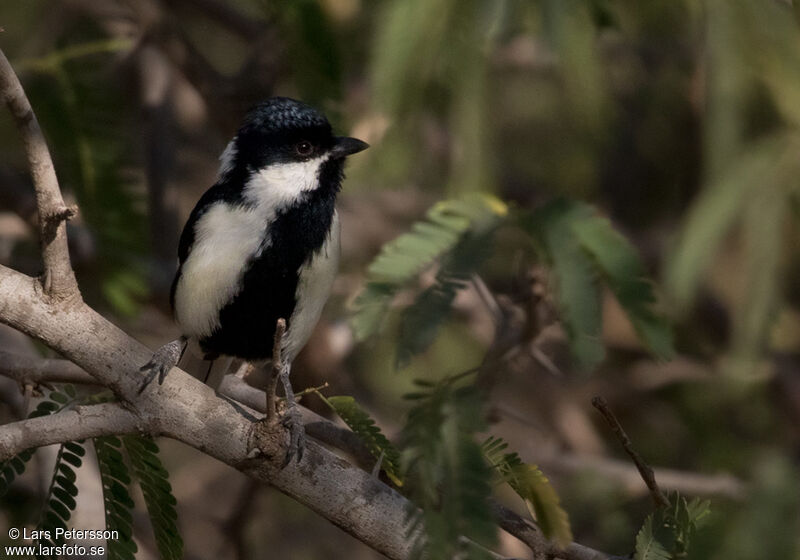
(274, 130)
(281, 114)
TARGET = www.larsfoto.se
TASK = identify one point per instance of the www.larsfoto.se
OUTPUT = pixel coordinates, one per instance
(42, 550)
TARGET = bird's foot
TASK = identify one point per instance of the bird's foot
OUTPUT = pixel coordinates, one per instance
(293, 422)
(163, 360)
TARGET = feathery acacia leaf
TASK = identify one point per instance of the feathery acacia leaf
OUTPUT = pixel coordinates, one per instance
(455, 232)
(578, 292)
(358, 420)
(668, 531)
(582, 248)
(447, 478)
(157, 492)
(60, 501)
(533, 487)
(420, 321)
(118, 505)
(625, 275)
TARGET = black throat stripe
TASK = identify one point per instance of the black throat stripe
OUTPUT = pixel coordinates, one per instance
(269, 283)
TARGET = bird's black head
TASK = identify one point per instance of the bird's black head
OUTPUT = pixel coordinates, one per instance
(284, 131)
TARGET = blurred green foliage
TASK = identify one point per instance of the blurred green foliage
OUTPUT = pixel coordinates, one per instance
(78, 101)
(678, 119)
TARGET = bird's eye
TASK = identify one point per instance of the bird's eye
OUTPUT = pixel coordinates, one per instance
(304, 148)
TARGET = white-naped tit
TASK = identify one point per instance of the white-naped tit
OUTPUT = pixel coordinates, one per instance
(261, 244)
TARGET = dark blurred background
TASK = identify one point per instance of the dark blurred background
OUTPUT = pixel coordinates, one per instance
(677, 118)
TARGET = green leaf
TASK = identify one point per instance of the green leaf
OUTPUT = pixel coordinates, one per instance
(542, 502)
(667, 533)
(157, 492)
(446, 476)
(647, 545)
(577, 289)
(420, 322)
(533, 487)
(117, 501)
(58, 397)
(358, 420)
(455, 232)
(60, 501)
(582, 249)
(623, 270)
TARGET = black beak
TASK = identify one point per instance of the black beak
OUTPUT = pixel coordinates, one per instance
(344, 146)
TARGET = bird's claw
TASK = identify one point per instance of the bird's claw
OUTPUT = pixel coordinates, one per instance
(152, 370)
(292, 421)
(163, 360)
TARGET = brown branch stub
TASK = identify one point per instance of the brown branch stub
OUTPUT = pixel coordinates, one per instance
(51, 221)
(59, 279)
(645, 470)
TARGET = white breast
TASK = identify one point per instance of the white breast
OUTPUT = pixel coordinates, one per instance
(313, 288)
(226, 236)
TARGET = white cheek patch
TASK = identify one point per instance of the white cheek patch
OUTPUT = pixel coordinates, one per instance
(281, 184)
(313, 288)
(225, 238)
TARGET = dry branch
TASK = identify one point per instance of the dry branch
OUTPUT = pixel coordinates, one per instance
(58, 279)
(77, 423)
(185, 409)
(36, 371)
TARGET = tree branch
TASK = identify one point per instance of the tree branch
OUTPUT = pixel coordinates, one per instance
(185, 409)
(35, 371)
(58, 279)
(77, 423)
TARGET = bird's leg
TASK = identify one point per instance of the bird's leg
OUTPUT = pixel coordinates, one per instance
(292, 419)
(208, 371)
(275, 370)
(281, 367)
(163, 360)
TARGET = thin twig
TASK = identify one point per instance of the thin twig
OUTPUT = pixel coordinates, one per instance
(645, 470)
(280, 329)
(308, 390)
(526, 531)
(58, 279)
(487, 297)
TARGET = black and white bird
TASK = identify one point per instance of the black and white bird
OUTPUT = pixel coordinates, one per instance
(261, 244)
